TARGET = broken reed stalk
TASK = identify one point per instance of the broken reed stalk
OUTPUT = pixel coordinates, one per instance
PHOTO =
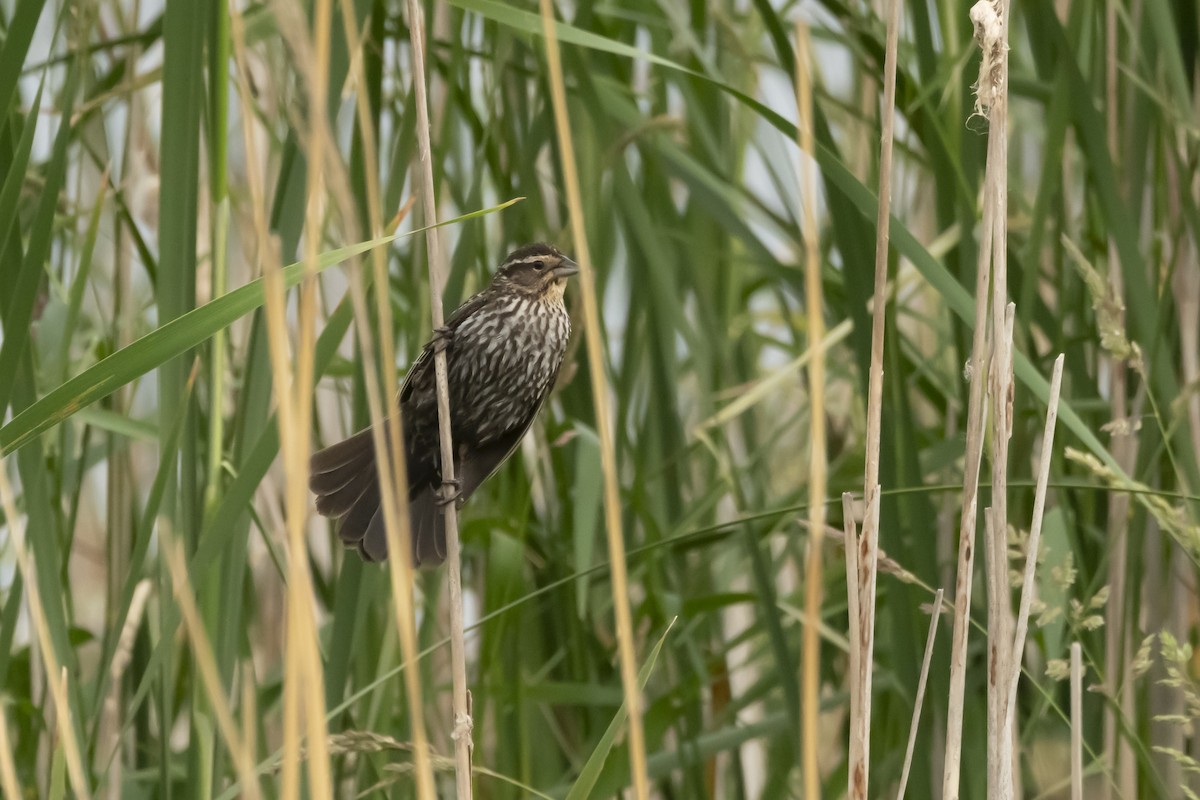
(392, 467)
(813, 581)
(1032, 547)
(858, 775)
(437, 276)
(72, 753)
(595, 356)
(920, 699)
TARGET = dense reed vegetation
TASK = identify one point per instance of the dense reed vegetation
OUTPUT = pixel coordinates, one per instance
(154, 167)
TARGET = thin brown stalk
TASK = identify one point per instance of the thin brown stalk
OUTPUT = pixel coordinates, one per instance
(1035, 541)
(813, 582)
(37, 616)
(858, 775)
(920, 700)
(392, 469)
(608, 460)
(437, 278)
(1076, 721)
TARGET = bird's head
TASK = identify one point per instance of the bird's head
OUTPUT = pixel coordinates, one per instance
(536, 269)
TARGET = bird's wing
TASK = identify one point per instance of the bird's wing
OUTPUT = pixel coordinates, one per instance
(424, 360)
(479, 465)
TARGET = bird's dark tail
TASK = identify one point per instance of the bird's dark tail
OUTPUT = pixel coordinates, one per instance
(345, 480)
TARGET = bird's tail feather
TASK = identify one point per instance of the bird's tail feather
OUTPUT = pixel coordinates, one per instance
(345, 480)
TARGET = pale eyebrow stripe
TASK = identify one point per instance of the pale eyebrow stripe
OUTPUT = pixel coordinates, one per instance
(530, 259)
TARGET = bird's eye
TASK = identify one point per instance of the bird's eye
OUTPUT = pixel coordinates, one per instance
(539, 265)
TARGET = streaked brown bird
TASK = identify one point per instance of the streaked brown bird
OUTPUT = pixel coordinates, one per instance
(503, 350)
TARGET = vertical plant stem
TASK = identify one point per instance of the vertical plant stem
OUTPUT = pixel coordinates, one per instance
(920, 699)
(303, 700)
(8, 768)
(437, 278)
(45, 644)
(392, 468)
(813, 582)
(219, 190)
(1076, 721)
(608, 460)
(978, 370)
(193, 625)
(861, 574)
(1117, 643)
(882, 224)
(992, 25)
(858, 775)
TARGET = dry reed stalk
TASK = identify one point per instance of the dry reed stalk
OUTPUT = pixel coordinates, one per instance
(8, 769)
(858, 774)
(882, 222)
(1035, 540)
(976, 414)
(37, 616)
(977, 371)
(1076, 721)
(920, 699)
(813, 582)
(206, 664)
(302, 667)
(303, 698)
(392, 469)
(608, 458)
(250, 719)
(862, 570)
(853, 596)
(293, 28)
(437, 278)
(111, 719)
(990, 18)
(999, 630)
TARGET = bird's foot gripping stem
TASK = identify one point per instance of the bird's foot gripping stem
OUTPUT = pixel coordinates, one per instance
(443, 337)
(449, 492)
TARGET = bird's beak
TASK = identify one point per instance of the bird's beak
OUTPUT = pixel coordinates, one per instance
(566, 268)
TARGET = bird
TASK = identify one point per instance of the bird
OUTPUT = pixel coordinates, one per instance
(504, 347)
